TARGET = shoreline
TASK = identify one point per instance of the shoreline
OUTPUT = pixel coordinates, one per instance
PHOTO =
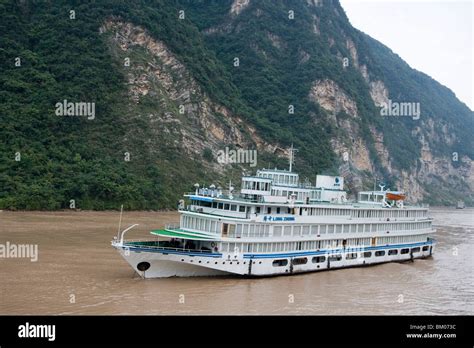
(151, 211)
(86, 210)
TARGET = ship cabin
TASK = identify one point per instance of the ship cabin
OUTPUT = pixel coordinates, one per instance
(269, 191)
(371, 197)
(385, 198)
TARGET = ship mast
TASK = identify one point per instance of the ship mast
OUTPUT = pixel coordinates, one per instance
(292, 156)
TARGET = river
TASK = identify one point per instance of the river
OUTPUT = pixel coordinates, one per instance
(78, 272)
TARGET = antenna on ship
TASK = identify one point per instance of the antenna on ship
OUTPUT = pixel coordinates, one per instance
(292, 156)
(231, 189)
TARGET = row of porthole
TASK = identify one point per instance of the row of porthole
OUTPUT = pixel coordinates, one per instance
(320, 259)
(238, 263)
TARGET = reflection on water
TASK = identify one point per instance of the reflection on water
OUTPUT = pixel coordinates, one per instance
(78, 272)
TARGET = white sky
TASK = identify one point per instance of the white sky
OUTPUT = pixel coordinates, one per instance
(432, 36)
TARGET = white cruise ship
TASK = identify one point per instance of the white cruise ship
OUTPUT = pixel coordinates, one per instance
(277, 226)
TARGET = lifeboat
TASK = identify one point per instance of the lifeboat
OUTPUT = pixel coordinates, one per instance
(395, 196)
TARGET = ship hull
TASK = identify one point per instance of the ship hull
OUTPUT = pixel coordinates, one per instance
(165, 263)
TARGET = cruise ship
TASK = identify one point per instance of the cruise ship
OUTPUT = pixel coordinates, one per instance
(276, 225)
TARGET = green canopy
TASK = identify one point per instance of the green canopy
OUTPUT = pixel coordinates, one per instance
(183, 234)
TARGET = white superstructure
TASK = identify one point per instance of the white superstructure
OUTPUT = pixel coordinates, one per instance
(277, 226)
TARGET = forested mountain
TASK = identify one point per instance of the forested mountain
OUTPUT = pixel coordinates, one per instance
(173, 82)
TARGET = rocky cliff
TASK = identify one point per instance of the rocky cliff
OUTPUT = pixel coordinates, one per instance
(176, 83)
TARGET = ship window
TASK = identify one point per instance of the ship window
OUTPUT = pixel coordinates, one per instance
(415, 250)
(242, 208)
(366, 254)
(280, 263)
(393, 252)
(305, 230)
(214, 204)
(287, 231)
(300, 261)
(425, 248)
(351, 256)
(277, 231)
(246, 230)
(257, 210)
(269, 210)
(233, 207)
(259, 231)
(337, 257)
(226, 206)
(296, 230)
(319, 259)
(380, 253)
(225, 229)
(221, 205)
(278, 210)
(330, 228)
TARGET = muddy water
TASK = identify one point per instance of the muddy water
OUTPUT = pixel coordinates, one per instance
(78, 272)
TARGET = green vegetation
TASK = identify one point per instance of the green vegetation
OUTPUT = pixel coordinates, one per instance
(47, 160)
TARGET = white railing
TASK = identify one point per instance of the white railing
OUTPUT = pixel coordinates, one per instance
(172, 226)
(131, 244)
(125, 231)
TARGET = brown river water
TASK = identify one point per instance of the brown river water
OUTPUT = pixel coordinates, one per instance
(78, 272)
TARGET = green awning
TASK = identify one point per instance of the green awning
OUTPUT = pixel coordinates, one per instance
(182, 234)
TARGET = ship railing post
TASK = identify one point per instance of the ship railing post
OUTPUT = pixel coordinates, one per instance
(124, 231)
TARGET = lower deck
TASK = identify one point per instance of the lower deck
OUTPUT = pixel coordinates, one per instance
(155, 262)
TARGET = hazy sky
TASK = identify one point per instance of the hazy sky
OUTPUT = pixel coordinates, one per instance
(432, 36)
